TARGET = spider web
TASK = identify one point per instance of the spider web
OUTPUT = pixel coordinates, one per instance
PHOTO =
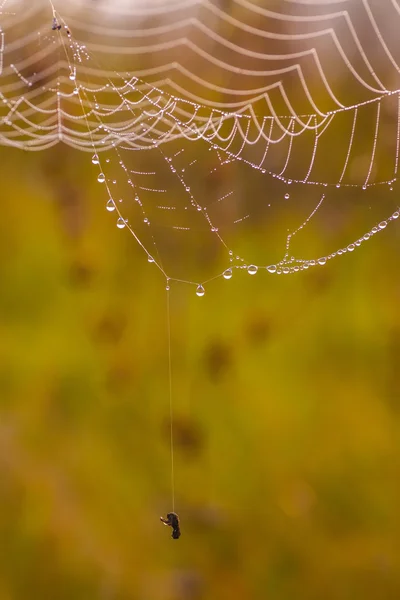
(211, 122)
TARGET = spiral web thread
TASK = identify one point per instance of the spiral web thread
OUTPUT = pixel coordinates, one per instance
(279, 116)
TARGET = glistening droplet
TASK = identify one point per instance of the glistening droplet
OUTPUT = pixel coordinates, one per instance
(121, 223)
(101, 178)
(95, 159)
(200, 291)
(227, 274)
(110, 206)
(252, 269)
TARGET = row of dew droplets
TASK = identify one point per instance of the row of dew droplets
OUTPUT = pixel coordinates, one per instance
(285, 266)
(110, 205)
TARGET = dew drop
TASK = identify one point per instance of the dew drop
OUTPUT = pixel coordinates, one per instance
(252, 269)
(121, 223)
(200, 291)
(382, 225)
(95, 159)
(72, 77)
(150, 259)
(110, 206)
(322, 260)
(395, 215)
(287, 196)
(351, 247)
(101, 178)
(367, 236)
(271, 269)
(227, 274)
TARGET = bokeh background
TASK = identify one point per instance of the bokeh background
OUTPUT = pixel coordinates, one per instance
(285, 400)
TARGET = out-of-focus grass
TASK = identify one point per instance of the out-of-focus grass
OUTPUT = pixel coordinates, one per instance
(286, 407)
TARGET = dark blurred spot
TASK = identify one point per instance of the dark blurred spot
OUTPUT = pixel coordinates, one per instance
(110, 328)
(80, 275)
(258, 329)
(217, 358)
(188, 438)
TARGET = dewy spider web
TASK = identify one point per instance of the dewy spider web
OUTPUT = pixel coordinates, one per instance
(173, 142)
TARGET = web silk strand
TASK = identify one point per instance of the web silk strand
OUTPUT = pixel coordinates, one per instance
(171, 411)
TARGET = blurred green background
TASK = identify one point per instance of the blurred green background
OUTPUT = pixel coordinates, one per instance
(286, 409)
(285, 399)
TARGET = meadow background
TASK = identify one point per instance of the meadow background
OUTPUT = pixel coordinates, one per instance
(286, 411)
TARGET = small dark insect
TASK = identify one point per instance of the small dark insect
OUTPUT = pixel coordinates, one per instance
(172, 520)
(55, 26)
